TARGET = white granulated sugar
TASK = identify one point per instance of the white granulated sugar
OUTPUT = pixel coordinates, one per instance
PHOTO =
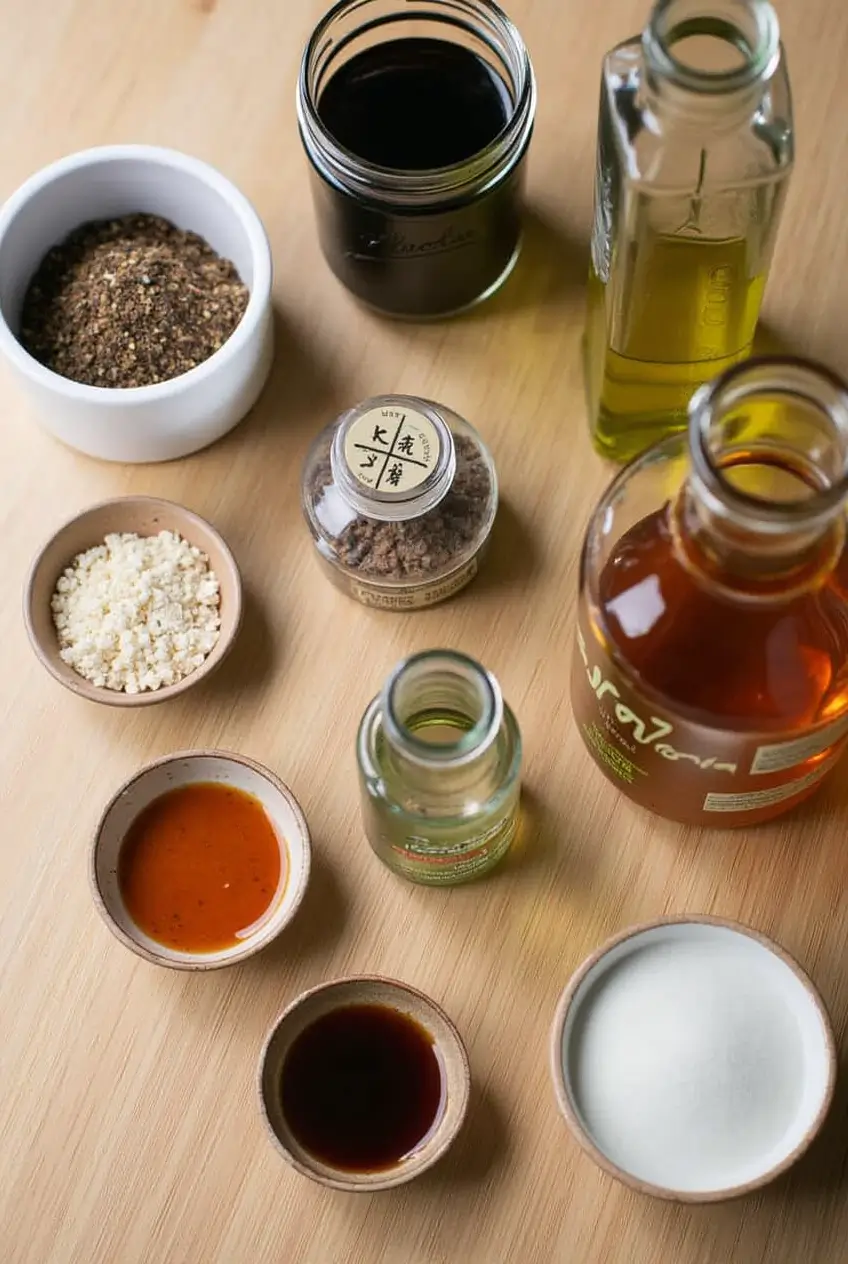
(137, 612)
(687, 1061)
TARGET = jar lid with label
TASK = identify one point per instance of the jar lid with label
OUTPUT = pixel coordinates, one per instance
(400, 495)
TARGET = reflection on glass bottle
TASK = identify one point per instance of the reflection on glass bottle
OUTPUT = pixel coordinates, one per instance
(694, 151)
(439, 756)
(710, 678)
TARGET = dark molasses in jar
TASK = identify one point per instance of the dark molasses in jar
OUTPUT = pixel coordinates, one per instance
(417, 145)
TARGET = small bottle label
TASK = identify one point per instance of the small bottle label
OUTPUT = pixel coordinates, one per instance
(426, 861)
(392, 449)
(685, 770)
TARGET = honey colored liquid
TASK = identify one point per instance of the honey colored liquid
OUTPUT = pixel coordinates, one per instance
(688, 311)
(777, 669)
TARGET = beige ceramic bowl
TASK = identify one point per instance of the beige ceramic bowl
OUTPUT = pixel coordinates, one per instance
(141, 515)
(181, 769)
(713, 1092)
(367, 990)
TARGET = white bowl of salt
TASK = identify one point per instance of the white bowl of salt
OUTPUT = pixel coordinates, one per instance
(693, 1059)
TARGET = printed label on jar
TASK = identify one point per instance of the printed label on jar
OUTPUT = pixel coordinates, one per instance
(392, 449)
(679, 768)
(416, 596)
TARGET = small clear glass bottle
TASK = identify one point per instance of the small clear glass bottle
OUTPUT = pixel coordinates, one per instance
(439, 755)
(400, 495)
(695, 145)
(710, 679)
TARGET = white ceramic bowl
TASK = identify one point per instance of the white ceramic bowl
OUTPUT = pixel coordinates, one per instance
(169, 419)
(693, 1059)
(182, 769)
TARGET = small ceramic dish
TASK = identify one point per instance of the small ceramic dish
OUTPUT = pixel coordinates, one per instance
(188, 768)
(169, 419)
(141, 515)
(366, 990)
(692, 1059)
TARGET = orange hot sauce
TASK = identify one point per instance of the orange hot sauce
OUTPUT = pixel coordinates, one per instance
(199, 866)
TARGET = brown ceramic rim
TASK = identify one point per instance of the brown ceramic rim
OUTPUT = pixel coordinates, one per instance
(111, 697)
(393, 1177)
(582, 1136)
(252, 947)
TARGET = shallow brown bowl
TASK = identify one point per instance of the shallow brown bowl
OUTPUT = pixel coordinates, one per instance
(182, 769)
(365, 990)
(141, 515)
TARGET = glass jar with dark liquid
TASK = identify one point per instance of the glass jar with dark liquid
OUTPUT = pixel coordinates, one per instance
(710, 678)
(416, 121)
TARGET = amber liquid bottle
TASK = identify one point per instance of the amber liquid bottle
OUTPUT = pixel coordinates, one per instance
(710, 677)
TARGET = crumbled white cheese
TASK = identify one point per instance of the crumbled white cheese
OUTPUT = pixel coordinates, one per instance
(137, 612)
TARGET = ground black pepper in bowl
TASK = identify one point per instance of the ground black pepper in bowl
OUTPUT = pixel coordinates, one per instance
(404, 562)
(130, 302)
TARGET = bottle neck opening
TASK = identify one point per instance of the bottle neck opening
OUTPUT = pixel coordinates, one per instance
(712, 48)
(769, 449)
(441, 710)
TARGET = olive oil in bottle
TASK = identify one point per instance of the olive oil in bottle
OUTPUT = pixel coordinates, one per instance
(690, 313)
(694, 152)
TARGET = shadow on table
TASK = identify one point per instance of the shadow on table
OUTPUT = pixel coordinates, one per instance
(315, 927)
(542, 846)
(255, 655)
(480, 1149)
(512, 557)
(301, 387)
(553, 265)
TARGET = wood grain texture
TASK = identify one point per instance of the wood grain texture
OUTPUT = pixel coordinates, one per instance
(129, 1133)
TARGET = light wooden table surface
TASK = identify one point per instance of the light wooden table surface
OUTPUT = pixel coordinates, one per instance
(129, 1132)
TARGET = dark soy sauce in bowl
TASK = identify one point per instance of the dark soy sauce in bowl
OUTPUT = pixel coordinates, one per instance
(362, 1087)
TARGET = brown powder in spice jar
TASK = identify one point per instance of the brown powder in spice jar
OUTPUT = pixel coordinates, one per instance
(424, 546)
(130, 302)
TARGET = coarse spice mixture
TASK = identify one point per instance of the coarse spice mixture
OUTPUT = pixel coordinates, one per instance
(130, 302)
(423, 546)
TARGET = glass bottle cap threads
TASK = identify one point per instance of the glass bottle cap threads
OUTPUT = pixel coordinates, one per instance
(400, 495)
(439, 756)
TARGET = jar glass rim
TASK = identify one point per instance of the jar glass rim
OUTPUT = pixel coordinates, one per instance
(487, 697)
(501, 36)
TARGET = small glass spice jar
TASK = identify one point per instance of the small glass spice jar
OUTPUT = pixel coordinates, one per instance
(439, 755)
(416, 120)
(400, 495)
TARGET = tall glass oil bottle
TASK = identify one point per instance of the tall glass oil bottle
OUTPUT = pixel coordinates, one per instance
(710, 678)
(694, 150)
